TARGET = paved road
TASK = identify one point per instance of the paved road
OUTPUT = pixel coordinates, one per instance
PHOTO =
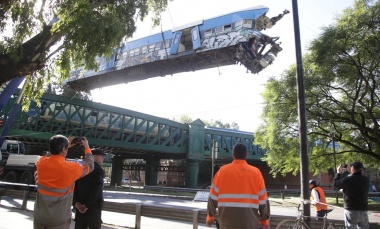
(12, 217)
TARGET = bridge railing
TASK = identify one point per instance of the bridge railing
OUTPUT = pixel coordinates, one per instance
(173, 189)
(114, 128)
(226, 140)
(108, 126)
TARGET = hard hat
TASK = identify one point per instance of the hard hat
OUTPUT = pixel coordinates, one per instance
(313, 182)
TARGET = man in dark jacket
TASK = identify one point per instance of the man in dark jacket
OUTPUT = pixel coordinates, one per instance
(355, 195)
(88, 196)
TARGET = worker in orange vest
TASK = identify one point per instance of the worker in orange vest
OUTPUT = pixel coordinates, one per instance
(318, 199)
(238, 191)
(55, 183)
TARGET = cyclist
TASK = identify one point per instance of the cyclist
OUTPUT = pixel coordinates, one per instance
(318, 199)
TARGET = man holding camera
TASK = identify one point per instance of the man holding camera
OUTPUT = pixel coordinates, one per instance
(56, 179)
(355, 195)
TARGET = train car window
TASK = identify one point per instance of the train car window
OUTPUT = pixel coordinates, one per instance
(176, 39)
(167, 43)
(158, 46)
(227, 28)
(124, 55)
(151, 47)
(247, 23)
(219, 30)
(144, 49)
(195, 35)
(57, 108)
(238, 25)
(102, 119)
(137, 51)
(208, 33)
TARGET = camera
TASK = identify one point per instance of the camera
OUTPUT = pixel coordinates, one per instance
(344, 166)
(77, 141)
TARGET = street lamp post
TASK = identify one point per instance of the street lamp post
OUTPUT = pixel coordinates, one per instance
(335, 171)
(304, 164)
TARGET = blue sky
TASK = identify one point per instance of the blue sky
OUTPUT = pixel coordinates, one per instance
(227, 93)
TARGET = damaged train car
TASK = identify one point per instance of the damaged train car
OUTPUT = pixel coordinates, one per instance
(234, 38)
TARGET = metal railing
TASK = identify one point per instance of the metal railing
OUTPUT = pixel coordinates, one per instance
(173, 189)
(195, 216)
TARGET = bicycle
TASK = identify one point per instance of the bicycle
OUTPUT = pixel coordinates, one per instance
(299, 222)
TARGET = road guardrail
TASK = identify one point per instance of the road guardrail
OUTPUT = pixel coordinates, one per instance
(195, 216)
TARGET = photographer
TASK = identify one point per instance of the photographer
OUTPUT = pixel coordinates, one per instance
(55, 184)
(355, 195)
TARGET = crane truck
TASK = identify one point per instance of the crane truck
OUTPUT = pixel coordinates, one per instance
(15, 166)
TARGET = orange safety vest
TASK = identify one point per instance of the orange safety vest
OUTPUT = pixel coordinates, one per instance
(240, 187)
(56, 180)
(322, 199)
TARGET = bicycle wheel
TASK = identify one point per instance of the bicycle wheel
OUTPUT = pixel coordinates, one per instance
(291, 224)
(336, 226)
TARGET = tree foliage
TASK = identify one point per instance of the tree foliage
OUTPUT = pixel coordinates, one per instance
(213, 123)
(342, 76)
(45, 39)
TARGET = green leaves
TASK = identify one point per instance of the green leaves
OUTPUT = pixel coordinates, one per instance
(342, 73)
(82, 31)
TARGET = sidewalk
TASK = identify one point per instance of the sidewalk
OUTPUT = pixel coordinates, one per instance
(12, 217)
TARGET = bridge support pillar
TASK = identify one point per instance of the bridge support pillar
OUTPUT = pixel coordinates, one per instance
(117, 171)
(192, 172)
(151, 171)
(195, 152)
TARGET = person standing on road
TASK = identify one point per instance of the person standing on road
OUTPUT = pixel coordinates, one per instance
(238, 191)
(318, 199)
(55, 183)
(88, 196)
(355, 195)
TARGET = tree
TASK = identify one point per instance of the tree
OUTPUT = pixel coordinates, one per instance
(220, 124)
(213, 123)
(342, 86)
(48, 38)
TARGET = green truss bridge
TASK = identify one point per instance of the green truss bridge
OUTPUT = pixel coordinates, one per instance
(124, 134)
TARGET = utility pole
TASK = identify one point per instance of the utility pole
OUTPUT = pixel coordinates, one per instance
(335, 171)
(305, 195)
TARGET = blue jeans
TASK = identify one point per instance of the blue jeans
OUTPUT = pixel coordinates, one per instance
(356, 219)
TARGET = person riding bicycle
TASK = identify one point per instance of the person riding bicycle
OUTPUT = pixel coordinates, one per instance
(318, 199)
